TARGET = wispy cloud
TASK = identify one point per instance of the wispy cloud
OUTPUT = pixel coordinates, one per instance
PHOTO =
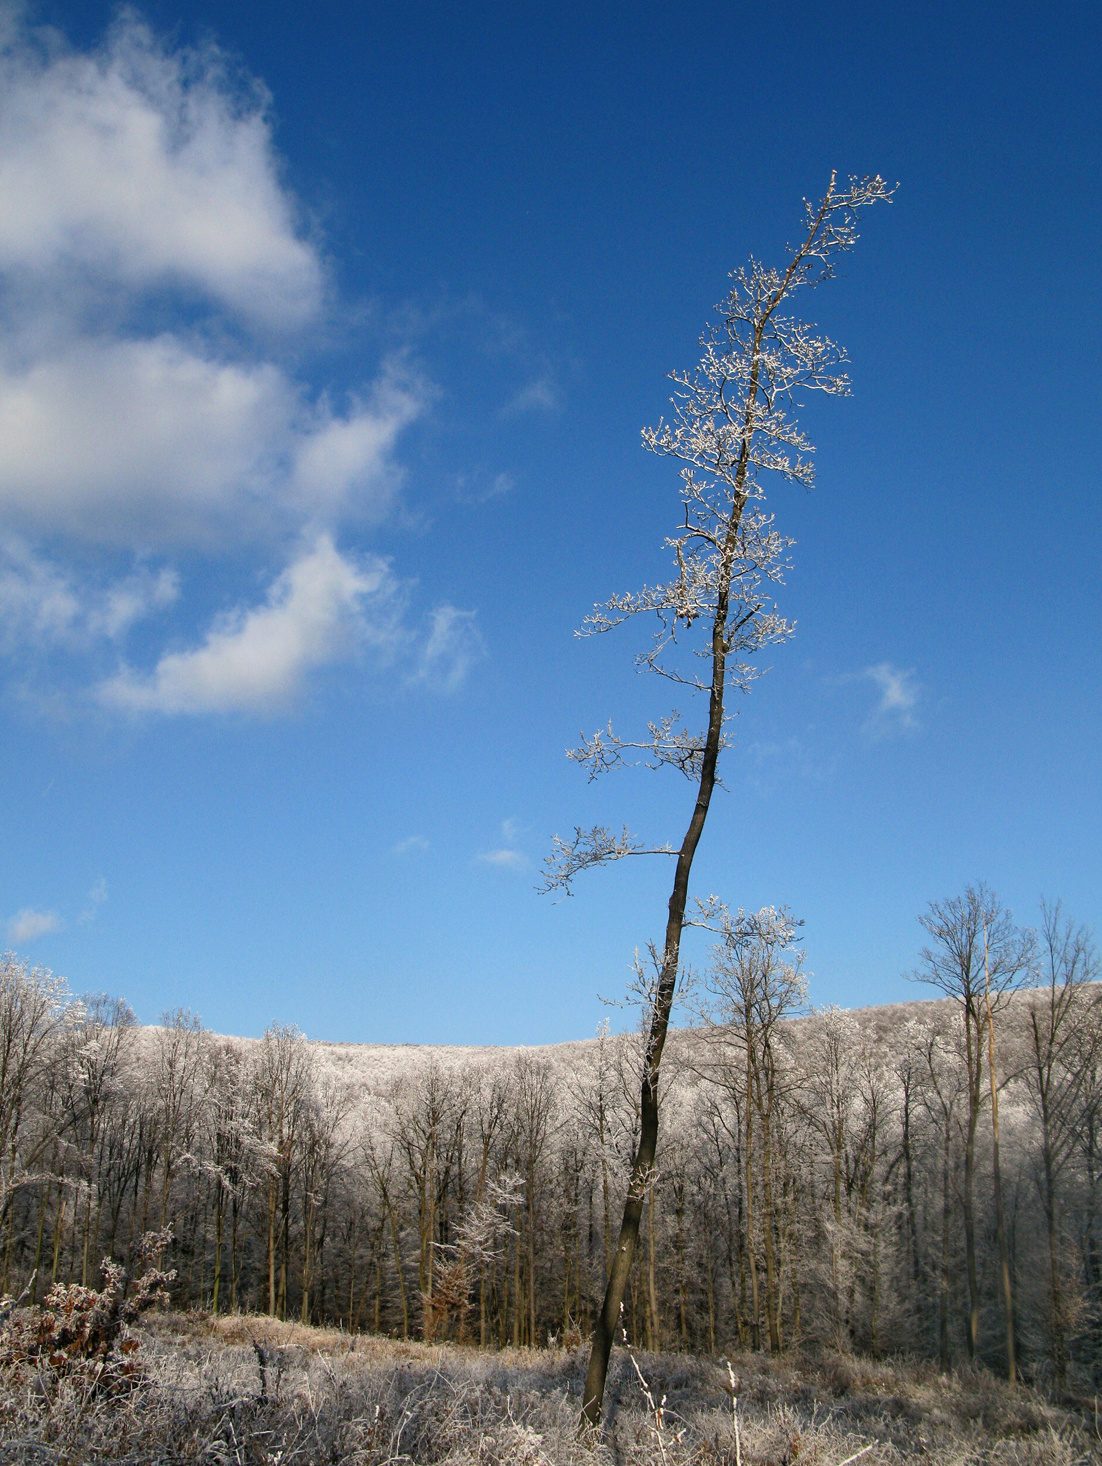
(900, 695)
(28, 925)
(454, 646)
(412, 843)
(43, 604)
(509, 859)
(542, 395)
(782, 760)
(96, 897)
(480, 487)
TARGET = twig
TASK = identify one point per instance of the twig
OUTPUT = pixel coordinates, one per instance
(9, 1308)
(655, 1410)
(734, 1413)
(858, 1454)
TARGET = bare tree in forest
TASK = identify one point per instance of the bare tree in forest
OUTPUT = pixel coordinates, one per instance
(181, 1041)
(976, 957)
(30, 1007)
(1063, 1040)
(831, 1100)
(95, 1061)
(730, 429)
(229, 1144)
(945, 1083)
(756, 983)
(323, 1145)
(282, 1079)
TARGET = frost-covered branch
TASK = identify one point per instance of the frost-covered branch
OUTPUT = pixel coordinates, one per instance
(668, 745)
(597, 846)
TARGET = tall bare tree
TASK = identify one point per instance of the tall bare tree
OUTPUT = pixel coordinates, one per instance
(976, 957)
(730, 429)
(755, 984)
(30, 1008)
(1064, 1036)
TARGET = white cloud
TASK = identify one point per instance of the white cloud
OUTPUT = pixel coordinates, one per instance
(141, 186)
(454, 646)
(135, 170)
(900, 695)
(410, 844)
(140, 168)
(258, 660)
(509, 859)
(344, 463)
(27, 925)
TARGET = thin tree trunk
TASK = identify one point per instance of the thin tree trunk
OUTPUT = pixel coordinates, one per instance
(1004, 1258)
(680, 1198)
(653, 1334)
(943, 1313)
(43, 1207)
(273, 1196)
(722, 640)
(771, 1299)
(219, 1222)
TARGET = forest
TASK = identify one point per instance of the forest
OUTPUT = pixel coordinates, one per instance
(919, 1178)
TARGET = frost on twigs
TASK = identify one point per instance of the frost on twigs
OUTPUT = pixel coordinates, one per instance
(668, 744)
(771, 927)
(724, 557)
(731, 428)
(597, 846)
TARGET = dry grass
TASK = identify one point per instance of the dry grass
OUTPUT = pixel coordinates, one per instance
(250, 1391)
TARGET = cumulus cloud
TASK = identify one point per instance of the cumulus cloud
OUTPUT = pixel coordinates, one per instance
(453, 647)
(141, 185)
(321, 608)
(133, 176)
(27, 925)
(900, 695)
(154, 442)
(140, 168)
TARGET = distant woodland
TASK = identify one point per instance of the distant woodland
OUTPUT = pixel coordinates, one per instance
(823, 1177)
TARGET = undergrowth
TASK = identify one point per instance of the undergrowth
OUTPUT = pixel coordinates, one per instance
(254, 1392)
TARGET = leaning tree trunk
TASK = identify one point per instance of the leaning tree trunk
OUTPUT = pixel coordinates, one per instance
(642, 1170)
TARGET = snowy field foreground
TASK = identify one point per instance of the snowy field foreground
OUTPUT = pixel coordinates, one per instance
(248, 1390)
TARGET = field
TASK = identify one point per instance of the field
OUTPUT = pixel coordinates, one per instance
(249, 1391)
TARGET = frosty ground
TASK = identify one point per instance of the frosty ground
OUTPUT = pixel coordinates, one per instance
(247, 1389)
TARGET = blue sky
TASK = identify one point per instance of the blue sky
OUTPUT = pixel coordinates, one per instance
(326, 339)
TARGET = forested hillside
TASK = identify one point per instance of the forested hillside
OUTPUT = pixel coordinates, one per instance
(822, 1178)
